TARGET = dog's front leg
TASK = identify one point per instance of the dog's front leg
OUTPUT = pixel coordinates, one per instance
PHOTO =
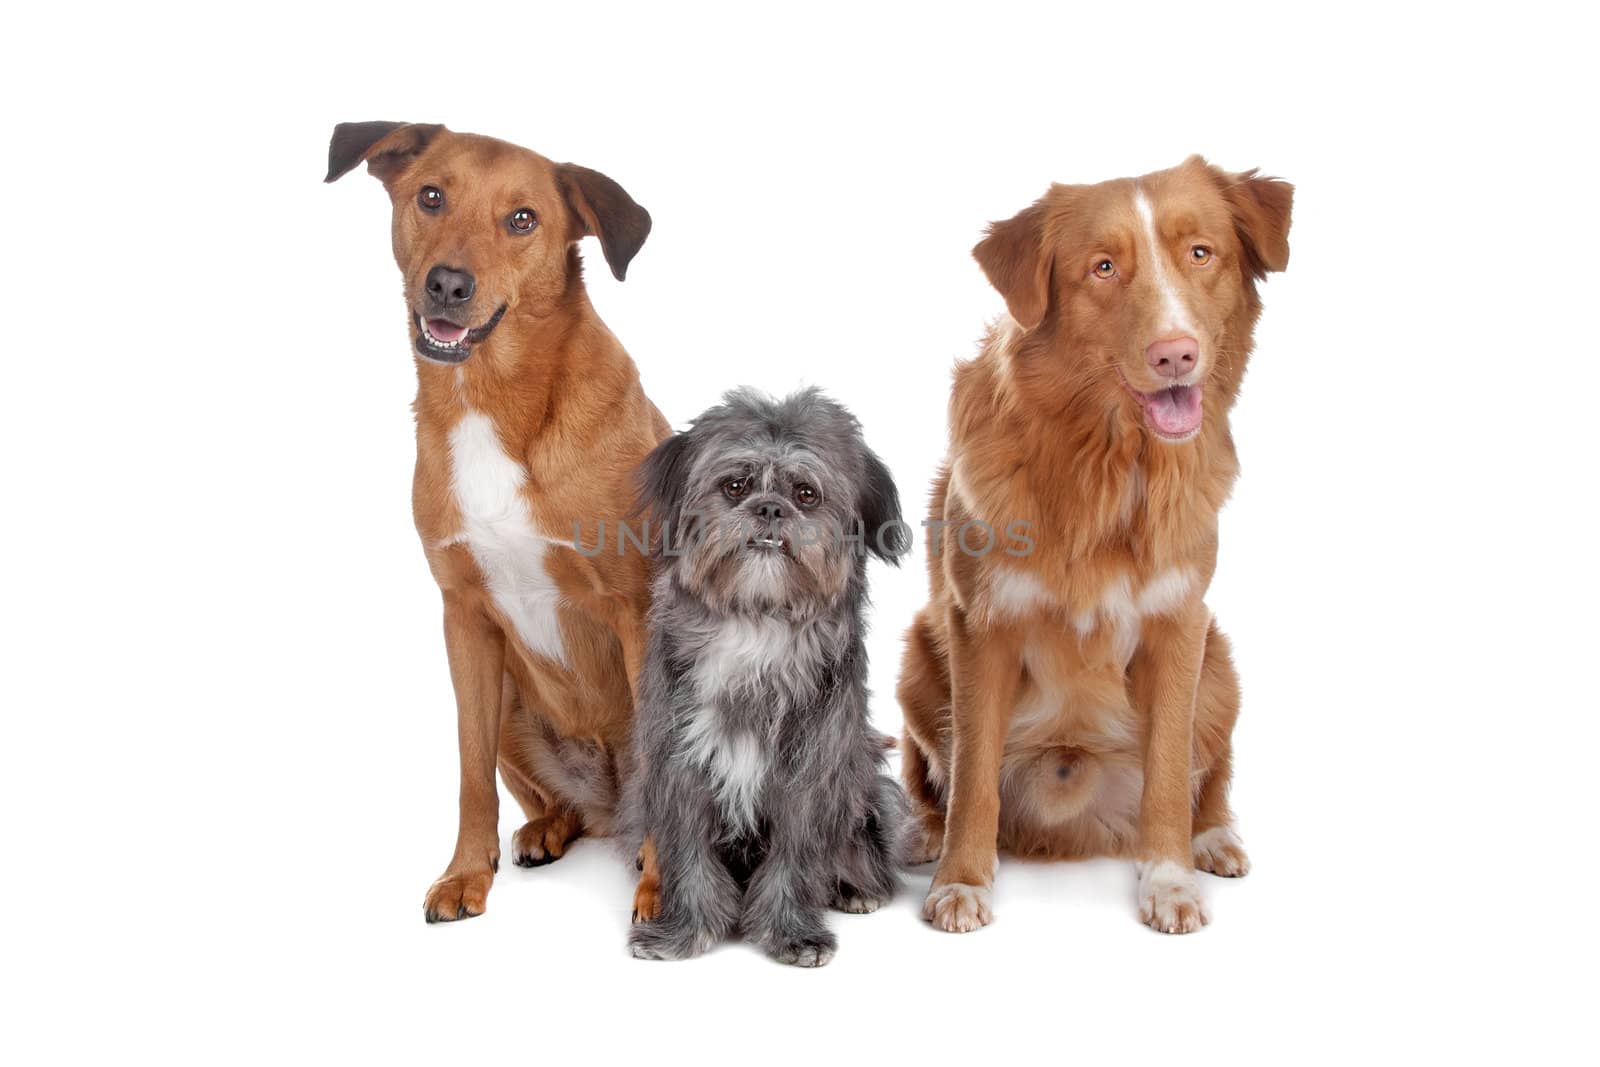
(476, 648)
(985, 675)
(1166, 677)
(696, 900)
(785, 908)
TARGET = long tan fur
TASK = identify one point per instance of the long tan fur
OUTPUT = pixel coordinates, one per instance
(1077, 699)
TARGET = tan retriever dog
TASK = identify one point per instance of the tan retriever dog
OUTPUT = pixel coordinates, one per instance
(1066, 690)
(530, 422)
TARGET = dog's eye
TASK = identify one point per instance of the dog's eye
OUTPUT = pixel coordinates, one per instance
(1200, 254)
(736, 487)
(431, 198)
(806, 496)
(522, 220)
(1105, 269)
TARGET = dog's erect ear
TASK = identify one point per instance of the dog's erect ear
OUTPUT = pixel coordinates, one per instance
(663, 479)
(1261, 208)
(887, 535)
(386, 147)
(606, 211)
(1018, 264)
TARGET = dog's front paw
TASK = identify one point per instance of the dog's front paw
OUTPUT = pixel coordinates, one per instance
(1169, 898)
(810, 951)
(545, 839)
(957, 908)
(1219, 851)
(458, 895)
(668, 941)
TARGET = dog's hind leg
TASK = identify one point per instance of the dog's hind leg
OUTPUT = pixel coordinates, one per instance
(1217, 846)
(872, 853)
(526, 746)
(924, 693)
(925, 834)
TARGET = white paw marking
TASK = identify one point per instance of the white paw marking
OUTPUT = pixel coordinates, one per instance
(857, 905)
(1169, 898)
(957, 908)
(1220, 852)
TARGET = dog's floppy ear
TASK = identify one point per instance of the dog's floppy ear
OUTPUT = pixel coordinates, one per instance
(606, 211)
(663, 479)
(1261, 209)
(887, 535)
(1017, 263)
(386, 147)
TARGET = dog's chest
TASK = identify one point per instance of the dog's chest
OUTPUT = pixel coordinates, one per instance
(1110, 615)
(489, 490)
(746, 674)
(1118, 614)
(1076, 665)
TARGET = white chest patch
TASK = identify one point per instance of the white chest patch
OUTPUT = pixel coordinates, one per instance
(1013, 593)
(744, 649)
(744, 653)
(1123, 610)
(735, 759)
(496, 527)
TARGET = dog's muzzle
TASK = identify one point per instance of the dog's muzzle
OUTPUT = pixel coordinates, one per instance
(444, 341)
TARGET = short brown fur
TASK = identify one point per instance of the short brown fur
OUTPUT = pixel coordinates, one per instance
(566, 405)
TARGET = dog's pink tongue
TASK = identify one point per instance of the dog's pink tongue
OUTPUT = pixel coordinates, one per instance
(448, 332)
(1175, 412)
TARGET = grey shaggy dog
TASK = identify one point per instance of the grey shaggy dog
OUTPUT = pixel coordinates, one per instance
(759, 777)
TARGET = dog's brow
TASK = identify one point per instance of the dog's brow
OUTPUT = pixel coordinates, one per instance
(444, 179)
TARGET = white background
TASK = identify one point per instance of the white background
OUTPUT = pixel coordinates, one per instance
(229, 770)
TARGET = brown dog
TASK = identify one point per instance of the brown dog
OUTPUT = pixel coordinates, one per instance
(530, 422)
(1066, 691)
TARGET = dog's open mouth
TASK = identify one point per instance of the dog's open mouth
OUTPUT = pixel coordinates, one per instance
(1174, 413)
(765, 544)
(444, 341)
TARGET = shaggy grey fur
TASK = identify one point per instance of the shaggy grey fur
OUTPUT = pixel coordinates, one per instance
(759, 777)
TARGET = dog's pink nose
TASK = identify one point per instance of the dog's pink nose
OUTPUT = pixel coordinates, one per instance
(1174, 357)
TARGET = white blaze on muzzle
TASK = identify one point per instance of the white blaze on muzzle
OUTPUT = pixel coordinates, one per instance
(1175, 320)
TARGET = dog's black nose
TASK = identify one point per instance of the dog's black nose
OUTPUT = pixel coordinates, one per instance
(448, 287)
(770, 510)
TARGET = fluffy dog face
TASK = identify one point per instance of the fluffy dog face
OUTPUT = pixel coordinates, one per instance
(768, 506)
(1138, 281)
(481, 225)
